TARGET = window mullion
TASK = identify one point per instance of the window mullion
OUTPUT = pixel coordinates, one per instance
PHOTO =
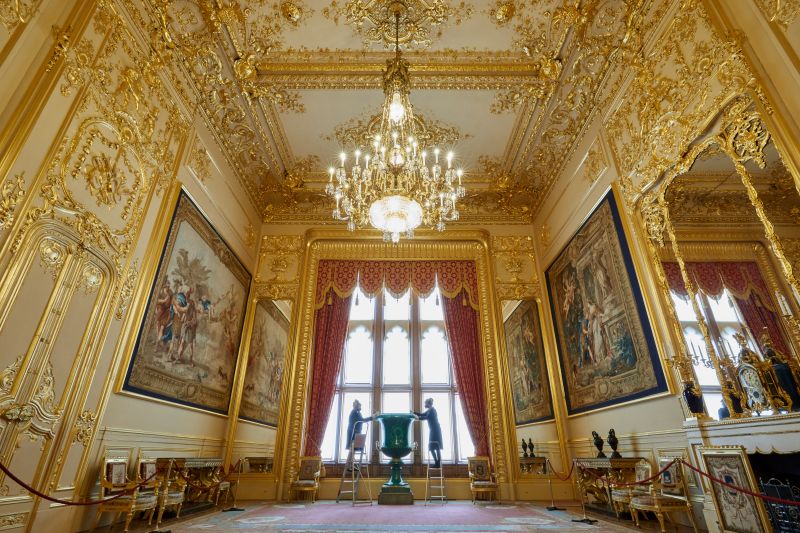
(378, 333)
(414, 335)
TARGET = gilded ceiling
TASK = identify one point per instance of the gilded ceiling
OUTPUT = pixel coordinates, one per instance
(511, 84)
(712, 194)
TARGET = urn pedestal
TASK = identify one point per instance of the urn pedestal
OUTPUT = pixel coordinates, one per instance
(396, 444)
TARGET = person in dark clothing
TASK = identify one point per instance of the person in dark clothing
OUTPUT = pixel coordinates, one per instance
(434, 432)
(355, 422)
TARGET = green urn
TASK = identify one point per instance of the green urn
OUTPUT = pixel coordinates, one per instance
(395, 428)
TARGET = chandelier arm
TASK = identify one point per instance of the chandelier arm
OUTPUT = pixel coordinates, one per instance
(396, 190)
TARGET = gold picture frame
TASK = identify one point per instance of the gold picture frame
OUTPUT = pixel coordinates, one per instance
(737, 512)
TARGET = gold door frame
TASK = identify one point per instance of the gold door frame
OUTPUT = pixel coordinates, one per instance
(427, 245)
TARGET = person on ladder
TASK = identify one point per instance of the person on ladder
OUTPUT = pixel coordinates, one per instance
(355, 423)
(434, 432)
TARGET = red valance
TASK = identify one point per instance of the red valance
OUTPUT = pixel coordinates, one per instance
(397, 277)
(741, 278)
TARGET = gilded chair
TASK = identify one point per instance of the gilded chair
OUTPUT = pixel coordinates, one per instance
(308, 476)
(481, 478)
(668, 494)
(173, 488)
(140, 494)
(621, 495)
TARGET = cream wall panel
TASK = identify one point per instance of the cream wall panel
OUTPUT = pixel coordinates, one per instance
(26, 44)
(18, 328)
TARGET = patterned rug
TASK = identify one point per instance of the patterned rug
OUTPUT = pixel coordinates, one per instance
(344, 517)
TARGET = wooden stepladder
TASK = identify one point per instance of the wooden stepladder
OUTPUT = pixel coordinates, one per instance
(354, 472)
(434, 485)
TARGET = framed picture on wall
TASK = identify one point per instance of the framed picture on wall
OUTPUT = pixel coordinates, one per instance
(530, 386)
(737, 512)
(607, 352)
(188, 340)
(265, 363)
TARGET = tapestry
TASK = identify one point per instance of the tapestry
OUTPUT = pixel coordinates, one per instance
(189, 336)
(606, 348)
(527, 369)
(262, 382)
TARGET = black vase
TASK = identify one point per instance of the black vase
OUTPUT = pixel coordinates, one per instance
(613, 441)
(598, 443)
(530, 447)
(786, 381)
(524, 448)
(694, 400)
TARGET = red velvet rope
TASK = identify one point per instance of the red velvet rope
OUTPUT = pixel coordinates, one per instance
(740, 489)
(69, 502)
(553, 470)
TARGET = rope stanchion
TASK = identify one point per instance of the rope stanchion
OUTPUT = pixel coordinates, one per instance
(44, 496)
(584, 497)
(553, 506)
(739, 489)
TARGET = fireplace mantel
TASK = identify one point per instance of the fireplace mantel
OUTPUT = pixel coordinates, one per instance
(764, 434)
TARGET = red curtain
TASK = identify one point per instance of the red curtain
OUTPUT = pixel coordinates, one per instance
(744, 281)
(397, 276)
(461, 323)
(741, 278)
(330, 333)
(758, 317)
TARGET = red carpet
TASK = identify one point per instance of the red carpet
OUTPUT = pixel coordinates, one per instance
(343, 517)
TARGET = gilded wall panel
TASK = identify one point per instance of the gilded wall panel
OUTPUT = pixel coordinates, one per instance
(73, 220)
(514, 267)
(676, 90)
(463, 245)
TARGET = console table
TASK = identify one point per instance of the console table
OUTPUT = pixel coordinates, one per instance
(202, 474)
(532, 465)
(595, 475)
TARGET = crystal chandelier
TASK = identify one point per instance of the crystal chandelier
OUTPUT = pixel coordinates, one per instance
(396, 184)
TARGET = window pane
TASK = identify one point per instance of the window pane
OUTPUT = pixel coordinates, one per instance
(730, 346)
(697, 349)
(362, 307)
(366, 410)
(396, 357)
(434, 356)
(429, 309)
(466, 448)
(329, 440)
(723, 309)
(358, 356)
(396, 402)
(683, 308)
(713, 403)
(441, 402)
(396, 309)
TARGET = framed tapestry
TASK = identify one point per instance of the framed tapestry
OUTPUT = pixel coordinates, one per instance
(265, 362)
(607, 352)
(737, 512)
(188, 340)
(530, 387)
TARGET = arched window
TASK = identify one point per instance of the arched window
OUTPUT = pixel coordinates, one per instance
(410, 363)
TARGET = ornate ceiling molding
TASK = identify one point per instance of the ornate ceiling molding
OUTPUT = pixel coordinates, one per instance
(420, 20)
(230, 61)
(360, 132)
